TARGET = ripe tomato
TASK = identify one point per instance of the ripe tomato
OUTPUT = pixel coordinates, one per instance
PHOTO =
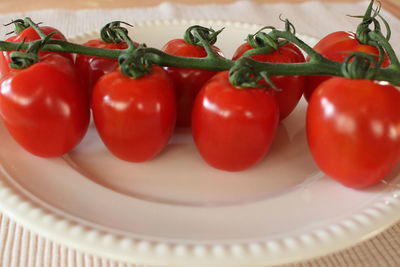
(134, 117)
(337, 46)
(44, 107)
(291, 86)
(91, 68)
(188, 82)
(29, 35)
(233, 128)
(353, 130)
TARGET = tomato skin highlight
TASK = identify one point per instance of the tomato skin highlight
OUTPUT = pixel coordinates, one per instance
(29, 35)
(44, 106)
(337, 46)
(91, 68)
(291, 86)
(135, 118)
(233, 128)
(187, 81)
(353, 130)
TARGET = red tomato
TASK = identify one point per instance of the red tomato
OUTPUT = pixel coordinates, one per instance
(353, 130)
(134, 117)
(44, 107)
(291, 86)
(91, 68)
(29, 35)
(188, 82)
(337, 46)
(233, 128)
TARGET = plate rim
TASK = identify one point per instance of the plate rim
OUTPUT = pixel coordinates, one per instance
(90, 240)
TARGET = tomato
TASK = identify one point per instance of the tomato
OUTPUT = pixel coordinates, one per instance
(337, 46)
(91, 68)
(353, 130)
(44, 107)
(188, 82)
(291, 87)
(233, 128)
(29, 35)
(135, 118)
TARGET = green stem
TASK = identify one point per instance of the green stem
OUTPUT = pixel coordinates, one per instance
(314, 55)
(63, 46)
(318, 65)
(390, 74)
(211, 63)
(306, 68)
(10, 46)
(205, 44)
(381, 40)
(36, 27)
(258, 51)
(122, 33)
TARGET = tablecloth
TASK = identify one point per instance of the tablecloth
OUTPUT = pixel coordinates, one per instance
(19, 247)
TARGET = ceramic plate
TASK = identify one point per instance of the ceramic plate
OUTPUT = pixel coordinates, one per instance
(176, 210)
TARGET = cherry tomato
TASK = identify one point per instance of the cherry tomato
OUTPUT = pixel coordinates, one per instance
(29, 35)
(44, 107)
(353, 130)
(188, 82)
(134, 117)
(91, 68)
(291, 86)
(233, 128)
(337, 46)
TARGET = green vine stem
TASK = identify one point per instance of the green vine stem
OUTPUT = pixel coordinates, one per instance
(35, 26)
(383, 42)
(123, 35)
(317, 65)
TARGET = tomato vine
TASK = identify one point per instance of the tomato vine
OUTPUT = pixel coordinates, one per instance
(317, 65)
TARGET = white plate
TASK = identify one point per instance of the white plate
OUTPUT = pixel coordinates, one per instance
(176, 210)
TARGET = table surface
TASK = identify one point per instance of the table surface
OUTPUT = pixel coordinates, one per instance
(391, 236)
(23, 5)
(9, 6)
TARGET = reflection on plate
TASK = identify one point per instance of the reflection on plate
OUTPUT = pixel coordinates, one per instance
(176, 210)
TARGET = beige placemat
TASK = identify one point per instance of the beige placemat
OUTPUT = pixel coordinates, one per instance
(19, 247)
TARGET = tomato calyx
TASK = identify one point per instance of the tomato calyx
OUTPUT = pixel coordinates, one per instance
(22, 60)
(368, 19)
(135, 64)
(360, 65)
(375, 37)
(262, 39)
(204, 37)
(35, 26)
(197, 35)
(19, 26)
(243, 75)
(264, 43)
(132, 61)
(113, 32)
